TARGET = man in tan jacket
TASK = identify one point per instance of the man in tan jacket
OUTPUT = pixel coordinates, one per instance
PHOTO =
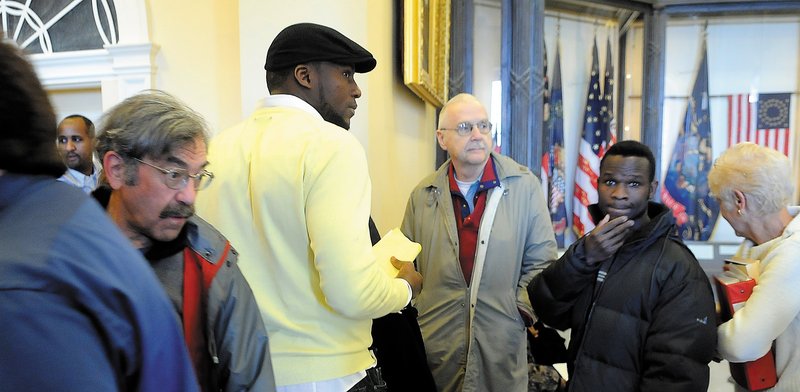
(485, 232)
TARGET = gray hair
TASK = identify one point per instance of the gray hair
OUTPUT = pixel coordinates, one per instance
(150, 124)
(761, 173)
(461, 98)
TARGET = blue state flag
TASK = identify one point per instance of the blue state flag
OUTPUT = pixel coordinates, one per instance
(555, 156)
(685, 189)
(545, 169)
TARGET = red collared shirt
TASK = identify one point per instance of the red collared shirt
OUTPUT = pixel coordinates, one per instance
(468, 222)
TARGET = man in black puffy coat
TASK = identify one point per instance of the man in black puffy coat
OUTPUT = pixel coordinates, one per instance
(640, 306)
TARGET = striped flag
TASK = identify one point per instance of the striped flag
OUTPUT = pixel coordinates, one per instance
(593, 145)
(609, 122)
(553, 158)
(761, 119)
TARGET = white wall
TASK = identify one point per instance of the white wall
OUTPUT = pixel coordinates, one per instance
(198, 56)
(86, 102)
(259, 24)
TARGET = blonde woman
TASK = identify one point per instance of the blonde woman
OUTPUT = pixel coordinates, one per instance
(753, 185)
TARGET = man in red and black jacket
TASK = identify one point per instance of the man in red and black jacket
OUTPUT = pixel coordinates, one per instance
(153, 150)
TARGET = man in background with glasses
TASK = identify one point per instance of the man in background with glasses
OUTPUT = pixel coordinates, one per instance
(485, 232)
(153, 149)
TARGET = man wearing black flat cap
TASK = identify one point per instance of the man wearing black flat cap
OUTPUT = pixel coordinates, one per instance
(294, 190)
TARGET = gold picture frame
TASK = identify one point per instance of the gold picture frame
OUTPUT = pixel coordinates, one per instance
(426, 49)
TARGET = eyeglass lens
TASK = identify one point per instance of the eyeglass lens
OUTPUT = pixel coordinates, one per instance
(465, 128)
(177, 181)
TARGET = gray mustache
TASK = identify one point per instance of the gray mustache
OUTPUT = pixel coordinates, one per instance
(179, 211)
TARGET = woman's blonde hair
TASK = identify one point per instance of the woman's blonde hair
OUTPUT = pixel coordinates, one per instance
(761, 173)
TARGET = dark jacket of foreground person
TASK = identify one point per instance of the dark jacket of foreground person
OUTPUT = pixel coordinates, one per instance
(651, 326)
(83, 309)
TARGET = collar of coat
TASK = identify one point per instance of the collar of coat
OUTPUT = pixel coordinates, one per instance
(504, 166)
(488, 179)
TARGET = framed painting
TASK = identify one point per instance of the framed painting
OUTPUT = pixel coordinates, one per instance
(426, 48)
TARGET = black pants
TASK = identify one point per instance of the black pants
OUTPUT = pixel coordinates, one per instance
(373, 382)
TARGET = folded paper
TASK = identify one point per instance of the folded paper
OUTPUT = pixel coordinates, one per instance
(395, 244)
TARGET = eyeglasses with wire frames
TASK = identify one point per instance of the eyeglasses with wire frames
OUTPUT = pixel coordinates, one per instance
(465, 128)
(177, 179)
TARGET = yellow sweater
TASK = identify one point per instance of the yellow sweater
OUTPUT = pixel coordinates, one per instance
(292, 193)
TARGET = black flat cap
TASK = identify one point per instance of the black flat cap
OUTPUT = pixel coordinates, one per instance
(307, 42)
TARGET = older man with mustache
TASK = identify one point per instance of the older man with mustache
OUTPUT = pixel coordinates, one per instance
(153, 150)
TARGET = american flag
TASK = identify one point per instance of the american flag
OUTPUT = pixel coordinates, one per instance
(593, 145)
(761, 119)
(608, 95)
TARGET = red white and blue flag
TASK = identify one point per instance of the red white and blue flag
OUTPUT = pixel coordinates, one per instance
(594, 143)
(761, 119)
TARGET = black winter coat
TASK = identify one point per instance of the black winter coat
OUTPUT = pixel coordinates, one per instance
(652, 324)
